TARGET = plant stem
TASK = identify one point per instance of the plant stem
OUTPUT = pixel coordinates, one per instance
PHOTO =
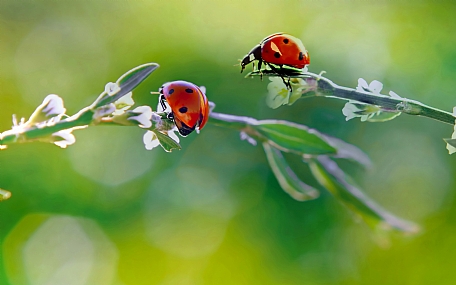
(324, 87)
(329, 89)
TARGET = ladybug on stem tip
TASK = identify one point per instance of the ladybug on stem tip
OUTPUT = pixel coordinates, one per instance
(188, 103)
(278, 49)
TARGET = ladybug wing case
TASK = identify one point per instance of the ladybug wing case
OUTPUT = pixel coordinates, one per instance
(285, 50)
(204, 108)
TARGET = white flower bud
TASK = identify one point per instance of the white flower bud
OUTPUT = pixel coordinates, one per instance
(143, 115)
(51, 108)
(150, 140)
(123, 104)
(64, 138)
(112, 88)
(53, 105)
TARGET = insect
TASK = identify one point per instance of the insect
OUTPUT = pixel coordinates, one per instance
(278, 50)
(188, 103)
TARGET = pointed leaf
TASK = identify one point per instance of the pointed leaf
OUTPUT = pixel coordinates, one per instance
(129, 81)
(451, 142)
(287, 179)
(291, 137)
(166, 142)
(348, 151)
(330, 176)
(451, 145)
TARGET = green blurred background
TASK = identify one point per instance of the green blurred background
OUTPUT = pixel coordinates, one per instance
(106, 211)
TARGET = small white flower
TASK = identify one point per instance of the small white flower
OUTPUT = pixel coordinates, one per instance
(350, 110)
(150, 140)
(172, 135)
(104, 111)
(112, 88)
(279, 94)
(53, 105)
(367, 112)
(51, 108)
(143, 117)
(249, 139)
(374, 87)
(394, 95)
(123, 104)
(65, 138)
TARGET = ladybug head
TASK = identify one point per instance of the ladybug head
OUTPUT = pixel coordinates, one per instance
(254, 54)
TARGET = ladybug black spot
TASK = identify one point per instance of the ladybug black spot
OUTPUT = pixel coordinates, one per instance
(183, 109)
(188, 90)
(277, 55)
(301, 56)
(171, 91)
(285, 41)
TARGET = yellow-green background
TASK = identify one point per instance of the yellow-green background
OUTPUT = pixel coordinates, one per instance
(106, 211)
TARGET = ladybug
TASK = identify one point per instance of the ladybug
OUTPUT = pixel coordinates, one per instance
(188, 103)
(278, 49)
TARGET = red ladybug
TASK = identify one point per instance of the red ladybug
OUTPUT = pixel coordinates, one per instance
(278, 49)
(188, 103)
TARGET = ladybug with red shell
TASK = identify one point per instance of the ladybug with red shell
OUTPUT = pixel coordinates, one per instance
(278, 49)
(188, 103)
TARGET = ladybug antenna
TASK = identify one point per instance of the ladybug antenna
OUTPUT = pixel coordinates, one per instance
(155, 93)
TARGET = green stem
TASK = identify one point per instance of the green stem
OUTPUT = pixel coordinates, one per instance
(327, 88)
(82, 118)
(239, 123)
(231, 121)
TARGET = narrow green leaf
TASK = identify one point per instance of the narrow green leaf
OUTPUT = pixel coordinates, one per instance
(4, 195)
(291, 137)
(451, 142)
(287, 179)
(134, 76)
(330, 176)
(167, 143)
(348, 151)
(128, 81)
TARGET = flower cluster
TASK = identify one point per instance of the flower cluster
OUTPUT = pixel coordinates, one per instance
(47, 114)
(151, 139)
(279, 94)
(368, 112)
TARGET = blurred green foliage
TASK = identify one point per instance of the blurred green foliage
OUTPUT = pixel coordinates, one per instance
(106, 211)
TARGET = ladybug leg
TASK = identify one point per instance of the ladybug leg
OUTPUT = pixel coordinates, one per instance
(162, 102)
(286, 82)
(260, 63)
